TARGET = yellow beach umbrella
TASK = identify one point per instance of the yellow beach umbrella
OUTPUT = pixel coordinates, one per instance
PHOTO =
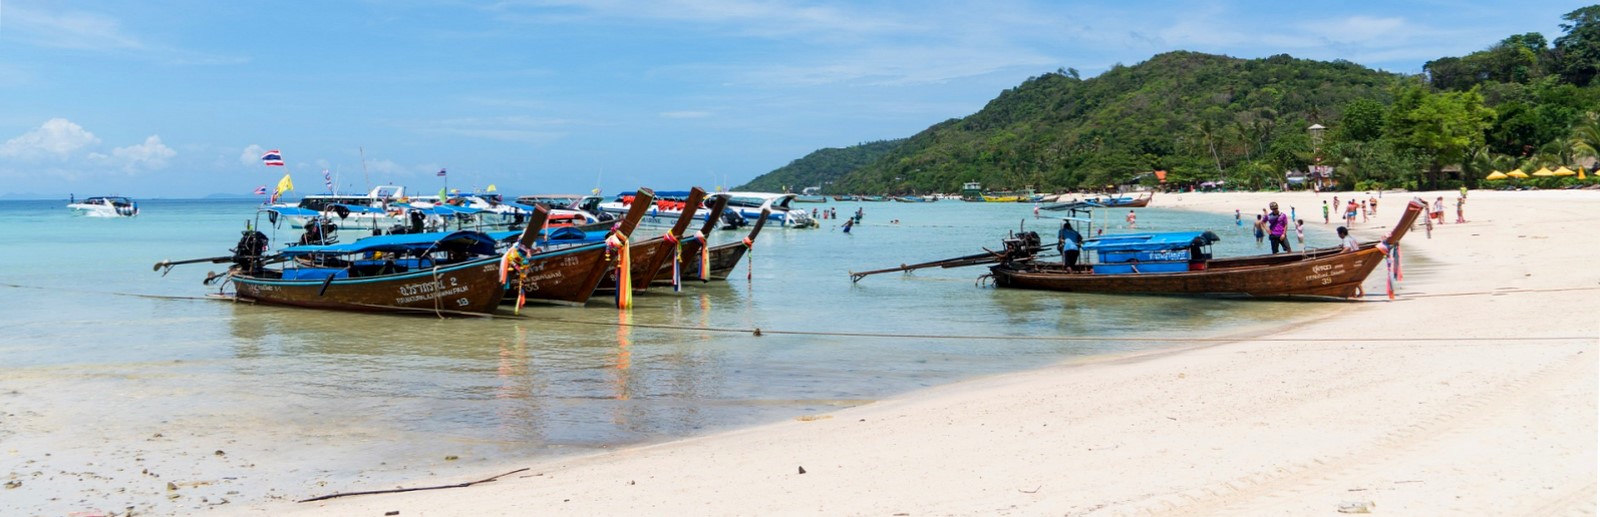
(1580, 173)
(1564, 171)
(1496, 176)
(1544, 172)
(1517, 174)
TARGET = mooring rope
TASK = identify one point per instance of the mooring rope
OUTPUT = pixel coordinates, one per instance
(983, 337)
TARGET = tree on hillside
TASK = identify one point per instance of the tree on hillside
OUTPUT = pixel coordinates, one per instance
(1578, 50)
(1362, 120)
(1441, 126)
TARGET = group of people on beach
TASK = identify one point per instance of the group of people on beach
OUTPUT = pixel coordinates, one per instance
(1437, 213)
(1273, 226)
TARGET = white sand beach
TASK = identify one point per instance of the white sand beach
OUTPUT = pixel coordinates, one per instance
(1472, 393)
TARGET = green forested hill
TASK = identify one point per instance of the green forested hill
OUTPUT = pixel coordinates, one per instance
(1204, 117)
(821, 167)
(1057, 131)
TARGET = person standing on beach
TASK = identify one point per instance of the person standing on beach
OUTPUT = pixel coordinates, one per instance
(1373, 204)
(1346, 241)
(1278, 226)
(1460, 216)
(1324, 211)
(1350, 213)
(1236, 220)
(1438, 209)
(1300, 232)
(1259, 231)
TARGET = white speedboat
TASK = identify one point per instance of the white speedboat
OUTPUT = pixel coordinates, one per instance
(748, 205)
(104, 206)
(370, 211)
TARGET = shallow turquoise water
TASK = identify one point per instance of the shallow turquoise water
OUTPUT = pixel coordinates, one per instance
(100, 353)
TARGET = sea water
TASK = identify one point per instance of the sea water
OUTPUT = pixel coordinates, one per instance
(116, 380)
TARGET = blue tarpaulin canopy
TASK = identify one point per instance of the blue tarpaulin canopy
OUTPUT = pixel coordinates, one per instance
(469, 241)
(1150, 241)
(561, 235)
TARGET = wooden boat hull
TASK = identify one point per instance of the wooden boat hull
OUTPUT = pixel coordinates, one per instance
(568, 276)
(468, 287)
(723, 257)
(647, 256)
(1319, 274)
(646, 260)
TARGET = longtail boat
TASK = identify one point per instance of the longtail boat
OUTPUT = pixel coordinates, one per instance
(1177, 268)
(440, 273)
(694, 246)
(1180, 263)
(569, 275)
(648, 255)
(725, 257)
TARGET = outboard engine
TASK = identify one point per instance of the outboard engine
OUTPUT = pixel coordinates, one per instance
(733, 220)
(1021, 246)
(247, 254)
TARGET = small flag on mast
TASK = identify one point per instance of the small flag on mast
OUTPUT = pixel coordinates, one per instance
(272, 158)
(261, 190)
(327, 179)
(284, 185)
(441, 173)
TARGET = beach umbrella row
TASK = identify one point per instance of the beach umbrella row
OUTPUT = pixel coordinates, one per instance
(1543, 172)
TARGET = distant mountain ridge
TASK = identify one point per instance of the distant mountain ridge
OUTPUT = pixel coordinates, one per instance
(821, 167)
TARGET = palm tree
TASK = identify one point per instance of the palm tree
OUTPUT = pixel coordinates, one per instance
(1585, 139)
(1209, 133)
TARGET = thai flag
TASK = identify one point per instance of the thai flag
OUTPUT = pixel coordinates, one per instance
(261, 190)
(272, 158)
(441, 173)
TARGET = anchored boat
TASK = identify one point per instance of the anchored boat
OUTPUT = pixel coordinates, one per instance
(1180, 263)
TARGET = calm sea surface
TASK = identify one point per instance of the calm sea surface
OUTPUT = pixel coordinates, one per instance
(115, 380)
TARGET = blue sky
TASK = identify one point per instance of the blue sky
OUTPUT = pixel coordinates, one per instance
(179, 98)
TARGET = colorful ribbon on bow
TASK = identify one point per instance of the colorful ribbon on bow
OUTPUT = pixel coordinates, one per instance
(515, 260)
(750, 273)
(619, 242)
(1391, 263)
(705, 255)
(677, 257)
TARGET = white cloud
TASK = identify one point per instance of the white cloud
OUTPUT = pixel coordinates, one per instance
(57, 138)
(150, 155)
(71, 30)
(252, 155)
(96, 32)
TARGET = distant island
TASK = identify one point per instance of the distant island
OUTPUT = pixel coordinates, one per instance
(1212, 121)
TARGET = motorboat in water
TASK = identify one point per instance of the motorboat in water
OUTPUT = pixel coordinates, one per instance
(104, 206)
(747, 205)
